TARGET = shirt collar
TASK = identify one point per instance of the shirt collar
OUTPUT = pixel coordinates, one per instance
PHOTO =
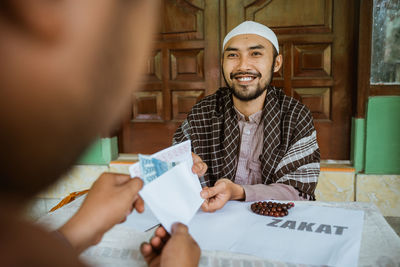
(256, 117)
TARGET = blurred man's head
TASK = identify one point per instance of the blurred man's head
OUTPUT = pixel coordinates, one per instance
(68, 69)
(250, 58)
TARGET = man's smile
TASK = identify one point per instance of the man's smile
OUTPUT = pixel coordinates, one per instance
(245, 78)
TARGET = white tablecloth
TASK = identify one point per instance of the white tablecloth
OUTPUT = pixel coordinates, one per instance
(380, 245)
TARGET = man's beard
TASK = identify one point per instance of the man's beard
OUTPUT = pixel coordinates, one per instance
(239, 94)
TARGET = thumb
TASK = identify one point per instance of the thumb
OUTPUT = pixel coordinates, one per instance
(209, 192)
(179, 228)
(133, 186)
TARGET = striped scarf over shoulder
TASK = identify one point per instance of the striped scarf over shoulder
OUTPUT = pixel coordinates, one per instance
(290, 153)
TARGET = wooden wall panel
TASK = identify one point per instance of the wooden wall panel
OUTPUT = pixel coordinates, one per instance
(285, 16)
(312, 60)
(147, 106)
(183, 101)
(317, 100)
(187, 65)
(154, 67)
(310, 15)
(182, 20)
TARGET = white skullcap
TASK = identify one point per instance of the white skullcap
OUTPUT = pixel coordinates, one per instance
(251, 27)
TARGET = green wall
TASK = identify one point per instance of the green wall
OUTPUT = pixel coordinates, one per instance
(357, 152)
(101, 152)
(382, 139)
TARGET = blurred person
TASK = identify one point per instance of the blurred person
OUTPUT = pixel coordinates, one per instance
(66, 74)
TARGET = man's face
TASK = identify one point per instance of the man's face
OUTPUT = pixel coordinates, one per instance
(248, 65)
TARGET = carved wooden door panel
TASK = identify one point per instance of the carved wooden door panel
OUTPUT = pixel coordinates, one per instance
(183, 69)
(317, 39)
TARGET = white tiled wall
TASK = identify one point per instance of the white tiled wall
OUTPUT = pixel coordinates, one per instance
(383, 190)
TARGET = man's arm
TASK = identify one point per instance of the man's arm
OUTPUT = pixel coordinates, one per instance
(296, 176)
(276, 191)
(225, 190)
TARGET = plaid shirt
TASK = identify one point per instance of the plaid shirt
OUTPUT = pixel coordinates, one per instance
(290, 153)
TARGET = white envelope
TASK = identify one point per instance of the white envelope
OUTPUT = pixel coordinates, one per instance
(174, 196)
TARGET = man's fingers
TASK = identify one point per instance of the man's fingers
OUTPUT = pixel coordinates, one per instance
(146, 249)
(157, 243)
(196, 158)
(208, 206)
(120, 179)
(133, 186)
(148, 252)
(207, 193)
(210, 192)
(199, 167)
(161, 232)
(204, 207)
(139, 205)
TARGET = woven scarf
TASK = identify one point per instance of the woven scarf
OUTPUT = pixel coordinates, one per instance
(290, 153)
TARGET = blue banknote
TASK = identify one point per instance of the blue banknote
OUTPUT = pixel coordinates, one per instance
(147, 168)
(151, 168)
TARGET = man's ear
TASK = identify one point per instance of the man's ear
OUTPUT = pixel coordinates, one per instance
(278, 63)
(40, 18)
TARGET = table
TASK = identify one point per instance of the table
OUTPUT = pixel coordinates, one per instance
(380, 245)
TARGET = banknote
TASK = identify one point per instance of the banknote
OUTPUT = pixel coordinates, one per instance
(162, 166)
(147, 168)
(151, 168)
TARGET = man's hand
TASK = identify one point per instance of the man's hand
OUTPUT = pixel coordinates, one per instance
(223, 191)
(179, 249)
(199, 167)
(111, 198)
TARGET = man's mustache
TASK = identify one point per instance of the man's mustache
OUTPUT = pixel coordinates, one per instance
(256, 74)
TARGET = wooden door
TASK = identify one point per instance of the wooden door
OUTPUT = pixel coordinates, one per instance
(317, 39)
(183, 69)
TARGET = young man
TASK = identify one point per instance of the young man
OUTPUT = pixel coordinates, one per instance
(67, 71)
(258, 143)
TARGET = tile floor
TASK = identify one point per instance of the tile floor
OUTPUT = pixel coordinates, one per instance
(394, 223)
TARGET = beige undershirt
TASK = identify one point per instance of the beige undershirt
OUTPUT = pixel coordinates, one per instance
(248, 172)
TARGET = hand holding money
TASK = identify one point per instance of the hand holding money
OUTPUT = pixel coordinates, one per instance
(171, 180)
(151, 168)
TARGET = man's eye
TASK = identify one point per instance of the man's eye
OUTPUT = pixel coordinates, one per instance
(231, 55)
(256, 53)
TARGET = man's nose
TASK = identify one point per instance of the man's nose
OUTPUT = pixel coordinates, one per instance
(244, 64)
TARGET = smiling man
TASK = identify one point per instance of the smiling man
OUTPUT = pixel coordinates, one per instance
(258, 143)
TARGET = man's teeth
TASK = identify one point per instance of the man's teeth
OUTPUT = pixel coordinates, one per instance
(245, 79)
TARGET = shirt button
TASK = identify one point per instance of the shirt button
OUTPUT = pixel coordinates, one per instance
(247, 131)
